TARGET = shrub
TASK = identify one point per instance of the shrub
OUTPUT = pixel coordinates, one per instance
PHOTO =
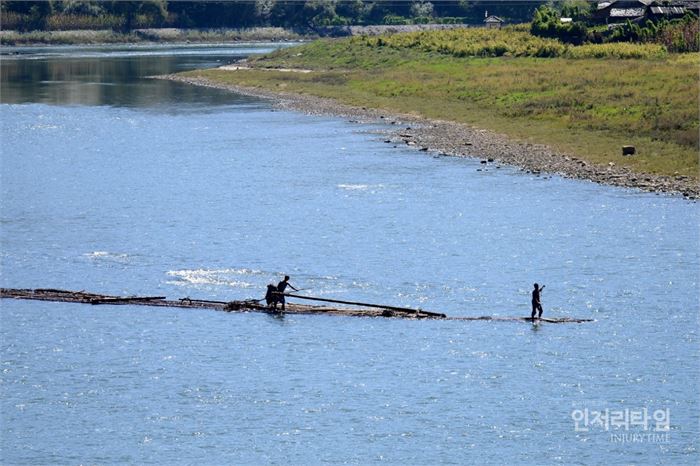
(622, 50)
(481, 42)
(450, 20)
(472, 42)
(83, 22)
(394, 20)
(12, 21)
(679, 35)
(547, 23)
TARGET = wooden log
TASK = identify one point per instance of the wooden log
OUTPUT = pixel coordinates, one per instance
(380, 306)
(125, 299)
(206, 301)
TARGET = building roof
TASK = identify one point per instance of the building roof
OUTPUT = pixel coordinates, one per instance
(632, 9)
(626, 12)
(493, 19)
(668, 10)
(624, 4)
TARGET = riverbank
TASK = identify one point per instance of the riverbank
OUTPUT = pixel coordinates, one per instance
(155, 35)
(440, 137)
(214, 36)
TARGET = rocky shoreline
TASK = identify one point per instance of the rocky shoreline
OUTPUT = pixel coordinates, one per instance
(456, 139)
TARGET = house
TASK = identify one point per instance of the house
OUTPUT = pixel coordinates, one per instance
(620, 11)
(493, 22)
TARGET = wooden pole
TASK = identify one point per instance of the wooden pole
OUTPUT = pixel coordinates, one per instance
(355, 303)
(125, 299)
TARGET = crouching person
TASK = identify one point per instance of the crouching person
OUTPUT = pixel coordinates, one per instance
(271, 297)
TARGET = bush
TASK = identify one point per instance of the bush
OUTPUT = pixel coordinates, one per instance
(509, 41)
(394, 20)
(620, 50)
(473, 42)
(547, 23)
(422, 20)
(680, 35)
(450, 20)
(83, 22)
(12, 21)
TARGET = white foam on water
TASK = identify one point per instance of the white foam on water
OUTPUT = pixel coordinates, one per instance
(360, 187)
(220, 277)
(353, 187)
(107, 256)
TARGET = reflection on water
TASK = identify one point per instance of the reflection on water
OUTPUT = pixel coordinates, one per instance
(117, 76)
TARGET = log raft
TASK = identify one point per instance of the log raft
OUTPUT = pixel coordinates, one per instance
(251, 305)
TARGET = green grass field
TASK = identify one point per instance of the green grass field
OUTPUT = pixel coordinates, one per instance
(589, 107)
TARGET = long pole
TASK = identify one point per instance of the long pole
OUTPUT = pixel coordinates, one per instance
(356, 303)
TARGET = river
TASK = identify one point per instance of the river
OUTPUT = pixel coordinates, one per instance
(113, 182)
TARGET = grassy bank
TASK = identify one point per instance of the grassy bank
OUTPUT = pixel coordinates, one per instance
(589, 107)
(168, 35)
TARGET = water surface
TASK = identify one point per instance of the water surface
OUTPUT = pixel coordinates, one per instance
(115, 183)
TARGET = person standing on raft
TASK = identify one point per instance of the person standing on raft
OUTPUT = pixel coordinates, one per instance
(281, 286)
(536, 304)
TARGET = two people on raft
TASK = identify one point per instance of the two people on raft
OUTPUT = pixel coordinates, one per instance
(275, 294)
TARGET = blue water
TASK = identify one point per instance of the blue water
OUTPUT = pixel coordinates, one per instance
(161, 189)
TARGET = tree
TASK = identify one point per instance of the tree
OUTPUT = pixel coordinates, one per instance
(355, 11)
(422, 9)
(263, 10)
(38, 15)
(577, 10)
(319, 13)
(155, 10)
(287, 14)
(127, 9)
(80, 7)
(19, 7)
(547, 23)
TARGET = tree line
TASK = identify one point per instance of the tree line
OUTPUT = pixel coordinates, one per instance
(128, 15)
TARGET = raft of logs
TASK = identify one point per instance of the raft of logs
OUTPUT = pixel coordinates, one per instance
(252, 305)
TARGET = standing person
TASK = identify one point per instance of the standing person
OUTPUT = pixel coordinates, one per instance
(281, 286)
(536, 304)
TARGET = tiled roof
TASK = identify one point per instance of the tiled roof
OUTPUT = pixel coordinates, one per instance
(626, 12)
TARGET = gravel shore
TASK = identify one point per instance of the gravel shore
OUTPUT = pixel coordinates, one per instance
(455, 139)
